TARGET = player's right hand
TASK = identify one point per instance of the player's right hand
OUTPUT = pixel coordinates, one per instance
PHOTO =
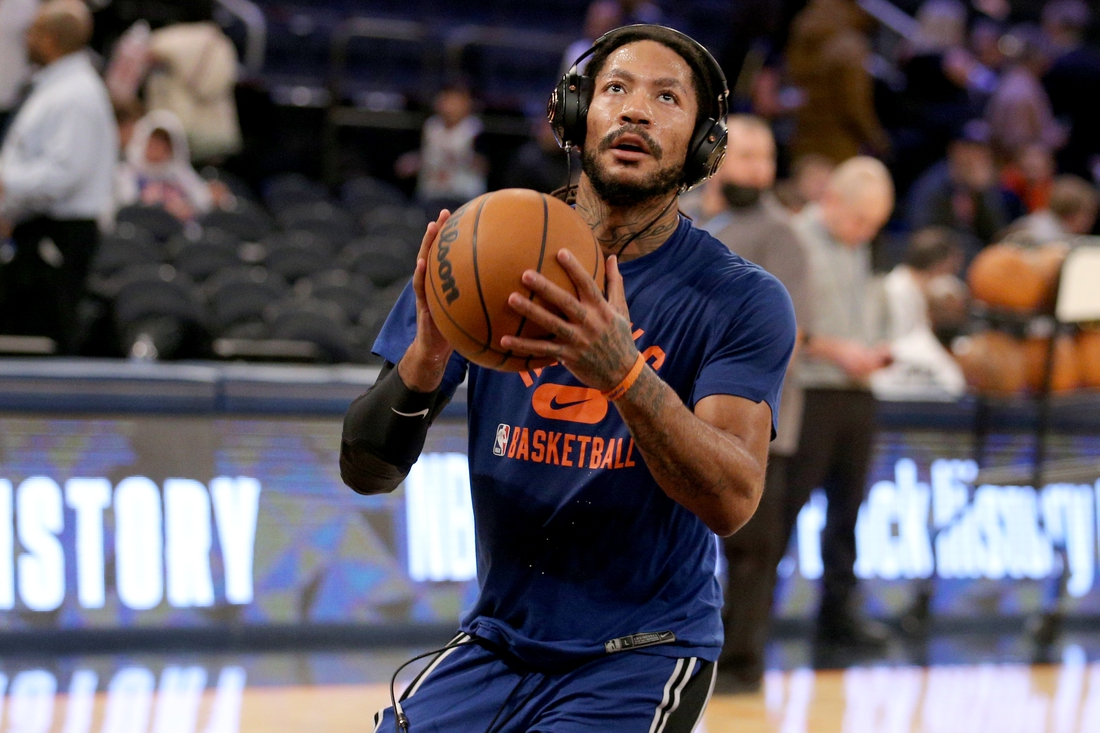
(426, 359)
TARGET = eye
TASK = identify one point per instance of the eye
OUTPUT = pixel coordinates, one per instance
(615, 87)
(668, 97)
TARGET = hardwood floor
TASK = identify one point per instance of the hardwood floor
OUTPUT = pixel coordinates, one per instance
(944, 699)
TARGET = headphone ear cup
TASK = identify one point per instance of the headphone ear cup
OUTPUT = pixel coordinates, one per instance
(568, 109)
(707, 151)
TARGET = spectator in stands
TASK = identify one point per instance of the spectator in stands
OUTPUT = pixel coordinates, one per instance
(1071, 213)
(601, 17)
(158, 171)
(194, 76)
(1028, 179)
(16, 17)
(827, 57)
(921, 366)
(1019, 112)
(539, 164)
(844, 344)
(809, 178)
(961, 192)
(1075, 69)
(57, 167)
(754, 225)
(450, 165)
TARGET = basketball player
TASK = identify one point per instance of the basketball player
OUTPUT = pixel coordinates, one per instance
(598, 483)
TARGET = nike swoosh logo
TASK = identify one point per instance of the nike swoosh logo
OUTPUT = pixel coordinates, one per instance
(555, 405)
(422, 413)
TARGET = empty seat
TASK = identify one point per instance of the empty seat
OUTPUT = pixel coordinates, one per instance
(296, 257)
(361, 195)
(291, 189)
(383, 261)
(320, 323)
(322, 218)
(237, 298)
(153, 219)
(353, 292)
(127, 246)
(211, 251)
(246, 220)
(158, 314)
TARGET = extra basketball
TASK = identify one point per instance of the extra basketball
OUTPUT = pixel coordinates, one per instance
(476, 262)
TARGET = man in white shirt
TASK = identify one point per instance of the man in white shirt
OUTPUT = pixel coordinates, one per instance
(57, 169)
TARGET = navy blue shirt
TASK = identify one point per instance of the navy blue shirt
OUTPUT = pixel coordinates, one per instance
(577, 544)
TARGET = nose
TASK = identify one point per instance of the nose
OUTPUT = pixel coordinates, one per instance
(636, 110)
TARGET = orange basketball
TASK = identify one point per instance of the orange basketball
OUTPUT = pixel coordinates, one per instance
(1088, 357)
(1064, 376)
(993, 362)
(1016, 278)
(476, 262)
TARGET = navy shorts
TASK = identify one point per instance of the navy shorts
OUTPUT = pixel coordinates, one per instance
(469, 689)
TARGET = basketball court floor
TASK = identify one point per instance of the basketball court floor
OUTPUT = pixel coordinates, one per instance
(960, 689)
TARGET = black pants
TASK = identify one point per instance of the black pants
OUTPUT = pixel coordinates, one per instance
(751, 557)
(834, 452)
(41, 288)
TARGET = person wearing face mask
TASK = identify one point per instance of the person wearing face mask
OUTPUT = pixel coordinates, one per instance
(745, 217)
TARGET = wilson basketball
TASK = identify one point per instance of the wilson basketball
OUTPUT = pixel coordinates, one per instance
(476, 262)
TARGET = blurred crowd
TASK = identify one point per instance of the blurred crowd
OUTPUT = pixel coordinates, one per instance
(976, 110)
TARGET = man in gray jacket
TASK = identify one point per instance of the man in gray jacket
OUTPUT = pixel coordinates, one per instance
(755, 226)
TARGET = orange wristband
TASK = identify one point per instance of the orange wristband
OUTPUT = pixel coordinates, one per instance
(628, 381)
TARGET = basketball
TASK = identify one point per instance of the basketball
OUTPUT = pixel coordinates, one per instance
(1016, 278)
(993, 363)
(1064, 376)
(476, 262)
(1088, 357)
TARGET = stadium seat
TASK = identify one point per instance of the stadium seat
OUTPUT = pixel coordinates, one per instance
(212, 251)
(320, 323)
(291, 189)
(353, 292)
(383, 261)
(361, 195)
(158, 314)
(248, 221)
(127, 246)
(320, 217)
(153, 219)
(296, 257)
(236, 299)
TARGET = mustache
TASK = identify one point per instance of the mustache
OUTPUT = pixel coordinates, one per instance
(609, 140)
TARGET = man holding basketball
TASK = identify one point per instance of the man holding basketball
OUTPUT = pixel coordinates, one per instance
(598, 606)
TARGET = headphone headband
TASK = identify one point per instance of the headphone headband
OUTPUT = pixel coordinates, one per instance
(568, 105)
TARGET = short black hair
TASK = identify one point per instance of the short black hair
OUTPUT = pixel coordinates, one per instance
(930, 246)
(706, 95)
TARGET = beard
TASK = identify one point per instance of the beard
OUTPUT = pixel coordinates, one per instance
(741, 197)
(629, 193)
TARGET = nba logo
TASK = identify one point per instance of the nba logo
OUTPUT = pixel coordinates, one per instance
(501, 443)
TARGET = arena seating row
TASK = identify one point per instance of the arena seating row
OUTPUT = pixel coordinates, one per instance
(312, 282)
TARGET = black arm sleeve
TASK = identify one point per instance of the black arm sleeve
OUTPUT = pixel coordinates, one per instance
(384, 432)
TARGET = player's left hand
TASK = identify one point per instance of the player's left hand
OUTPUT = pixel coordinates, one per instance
(591, 333)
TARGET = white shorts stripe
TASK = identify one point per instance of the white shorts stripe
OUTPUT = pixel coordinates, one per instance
(710, 692)
(453, 644)
(676, 692)
(671, 690)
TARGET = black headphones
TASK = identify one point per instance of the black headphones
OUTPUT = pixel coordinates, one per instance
(567, 109)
